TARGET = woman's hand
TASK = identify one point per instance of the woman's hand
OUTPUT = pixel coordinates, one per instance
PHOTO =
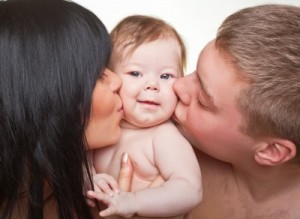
(116, 196)
(118, 203)
(126, 174)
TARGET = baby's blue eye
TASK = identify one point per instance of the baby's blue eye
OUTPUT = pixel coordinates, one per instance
(135, 74)
(166, 76)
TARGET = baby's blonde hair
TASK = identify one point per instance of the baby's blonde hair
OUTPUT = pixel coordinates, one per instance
(135, 30)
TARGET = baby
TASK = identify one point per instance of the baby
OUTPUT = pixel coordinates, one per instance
(148, 55)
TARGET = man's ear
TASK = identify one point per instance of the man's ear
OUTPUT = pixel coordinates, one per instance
(274, 152)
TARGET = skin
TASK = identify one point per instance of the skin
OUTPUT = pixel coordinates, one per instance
(103, 128)
(243, 177)
(213, 102)
(106, 113)
(255, 172)
(148, 75)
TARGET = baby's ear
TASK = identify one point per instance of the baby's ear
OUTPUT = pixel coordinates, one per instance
(275, 152)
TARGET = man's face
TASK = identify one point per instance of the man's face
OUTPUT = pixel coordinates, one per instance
(207, 112)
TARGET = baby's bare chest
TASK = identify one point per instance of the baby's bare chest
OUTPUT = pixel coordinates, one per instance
(140, 148)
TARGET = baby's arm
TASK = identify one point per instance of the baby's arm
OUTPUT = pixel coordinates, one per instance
(182, 190)
(178, 165)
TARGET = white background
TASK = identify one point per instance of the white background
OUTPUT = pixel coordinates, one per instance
(196, 20)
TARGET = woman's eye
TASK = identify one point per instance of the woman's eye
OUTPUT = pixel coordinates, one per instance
(166, 76)
(135, 74)
(102, 76)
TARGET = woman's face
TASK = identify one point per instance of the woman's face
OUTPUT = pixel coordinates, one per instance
(103, 128)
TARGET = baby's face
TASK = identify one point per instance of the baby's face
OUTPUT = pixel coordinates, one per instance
(148, 75)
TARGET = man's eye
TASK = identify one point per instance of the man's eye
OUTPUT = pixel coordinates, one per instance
(135, 74)
(200, 103)
(166, 76)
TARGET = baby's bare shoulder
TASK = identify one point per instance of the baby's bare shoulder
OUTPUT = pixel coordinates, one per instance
(167, 126)
(169, 133)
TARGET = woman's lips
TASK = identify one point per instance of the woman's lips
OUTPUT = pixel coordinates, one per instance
(120, 110)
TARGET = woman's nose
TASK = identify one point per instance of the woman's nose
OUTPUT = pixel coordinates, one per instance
(115, 81)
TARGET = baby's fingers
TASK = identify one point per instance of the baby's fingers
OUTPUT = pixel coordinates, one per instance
(108, 212)
(104, 188)
(106, 184)
(105, 198)
(90, 202)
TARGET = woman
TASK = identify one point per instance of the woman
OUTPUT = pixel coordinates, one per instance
(56, 100)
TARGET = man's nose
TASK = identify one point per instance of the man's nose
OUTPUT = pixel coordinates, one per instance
(181, 88)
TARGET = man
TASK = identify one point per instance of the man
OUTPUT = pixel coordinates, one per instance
(241, 109)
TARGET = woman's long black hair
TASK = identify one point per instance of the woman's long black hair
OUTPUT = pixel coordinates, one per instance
(51, 54)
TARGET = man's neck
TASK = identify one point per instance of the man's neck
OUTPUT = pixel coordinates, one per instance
(263, 183)
(249, 193)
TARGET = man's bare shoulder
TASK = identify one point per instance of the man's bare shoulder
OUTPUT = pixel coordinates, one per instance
(223, 198)
(215, 170)
(219, 190)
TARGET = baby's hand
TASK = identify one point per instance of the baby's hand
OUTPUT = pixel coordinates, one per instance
(122, 204)
(104, 184)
